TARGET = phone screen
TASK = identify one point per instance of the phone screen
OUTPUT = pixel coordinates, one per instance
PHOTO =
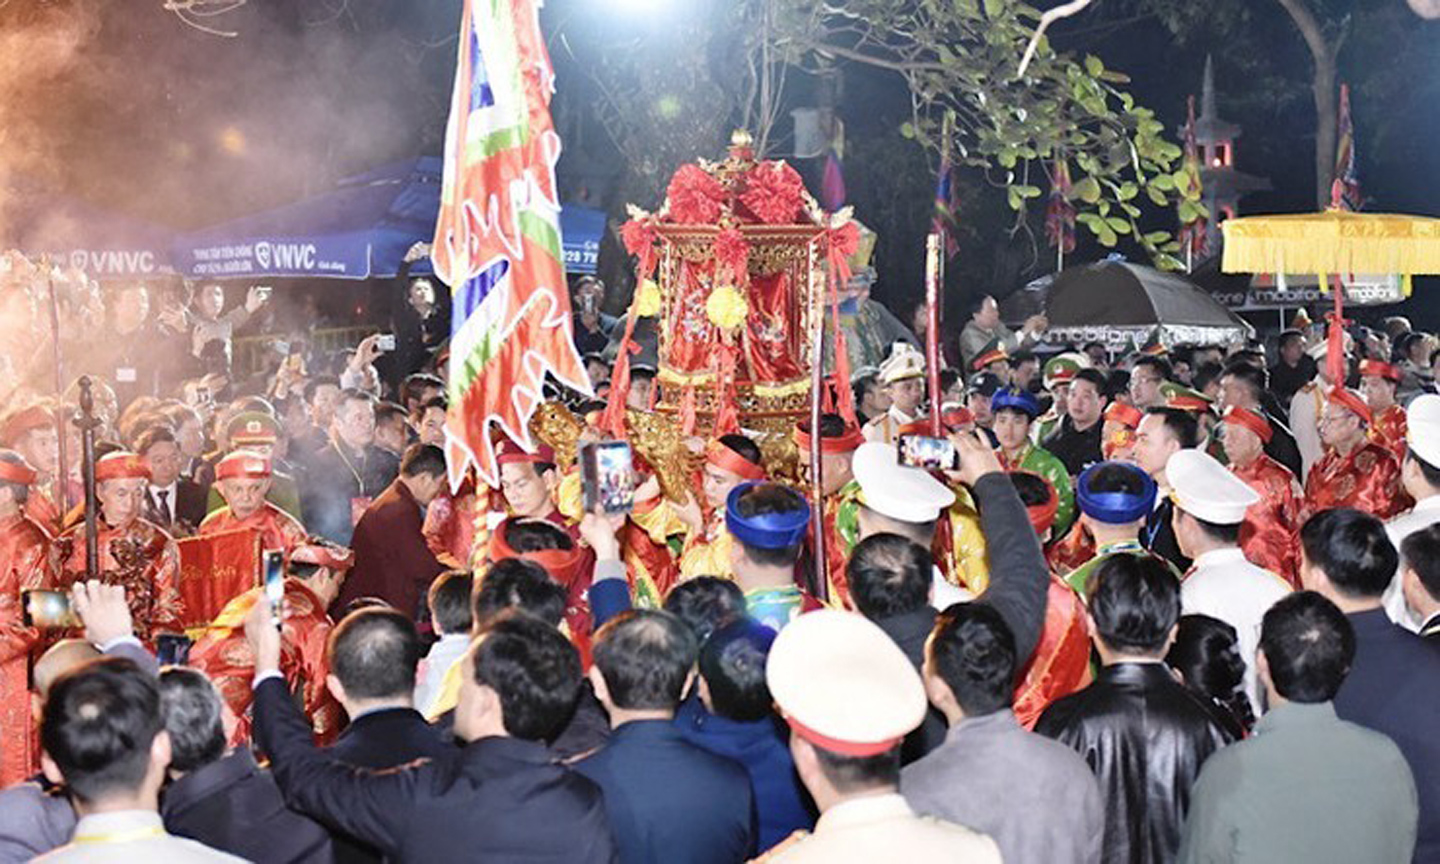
(921, 451)
(172, 649)
(608, 476)
(275, 582)
(386, 342)
(48, 610)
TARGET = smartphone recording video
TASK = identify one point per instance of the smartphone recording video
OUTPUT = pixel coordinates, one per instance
(932, 454)
(275, 582)
(48, 610)
(608, 476)
(386, 342)
(172, 649)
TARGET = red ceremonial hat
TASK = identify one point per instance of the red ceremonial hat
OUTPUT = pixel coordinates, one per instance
(508, 451)
(1042, 516)
(121, 465)
(847, 442)
(1352, 402)
(323, 554)
(1124, 413)
(1250, 420)
(37, 416)
(16, 472)
(1381, 369)
(722, 457)
(242, 463)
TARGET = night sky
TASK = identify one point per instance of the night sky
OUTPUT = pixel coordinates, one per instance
(120, 103)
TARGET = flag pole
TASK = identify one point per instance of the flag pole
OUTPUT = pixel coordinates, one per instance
(932, 329)
(821, 585)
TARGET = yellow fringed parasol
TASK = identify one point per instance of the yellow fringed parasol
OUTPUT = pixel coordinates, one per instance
(1334, 241)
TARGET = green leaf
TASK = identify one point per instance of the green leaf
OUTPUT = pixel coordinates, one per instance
(1163, 181)
(1118, 225)
(1157, 237)
(1094, 66)
(1103, 207)
(907, 130)
(1156, 195)
(1131, 209)
(1108, 238)
(1127, 191)
(1090, 220)
(1087, 190)
(1027, 191)
(1187, 212)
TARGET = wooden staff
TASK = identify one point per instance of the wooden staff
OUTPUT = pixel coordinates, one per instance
(88, 424)
(62, 485)
(821, 587)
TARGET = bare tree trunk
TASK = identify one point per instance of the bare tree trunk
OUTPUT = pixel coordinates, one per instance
(1325, 54)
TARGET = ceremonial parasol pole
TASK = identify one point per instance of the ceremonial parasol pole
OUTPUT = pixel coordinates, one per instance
(87, 423)
(821, 587)
(932, 328)
(63, 471)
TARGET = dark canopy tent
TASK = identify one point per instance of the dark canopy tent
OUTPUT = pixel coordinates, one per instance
(76, 233)
(361, 230)
(1122, 304)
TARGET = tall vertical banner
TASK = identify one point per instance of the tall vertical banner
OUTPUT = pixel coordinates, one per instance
(1345, 189)
(497, 239)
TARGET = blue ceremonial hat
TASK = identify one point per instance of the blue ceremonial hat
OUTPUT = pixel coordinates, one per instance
(1016, 399)
(766, 530)
(1115, 508)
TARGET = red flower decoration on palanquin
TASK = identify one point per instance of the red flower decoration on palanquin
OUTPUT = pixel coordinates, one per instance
(639, 238)
(694, 197)
(773, 192)
(732, 250)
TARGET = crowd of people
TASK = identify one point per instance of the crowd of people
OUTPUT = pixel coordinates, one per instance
(1177, 604)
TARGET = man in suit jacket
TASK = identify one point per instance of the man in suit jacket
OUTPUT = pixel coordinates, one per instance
(501, 793)
(344, 475)
(373, 656)
(1394, 684)
(668, 799)
(392, 560)
(172, 501)
(225, 800)
(1163, 432)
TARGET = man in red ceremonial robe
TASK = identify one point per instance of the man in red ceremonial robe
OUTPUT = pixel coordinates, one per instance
(838, 441)
(31, 432)
(314, 574)
(1378, 383)
(1060, 664)
(1267, 536)
(1355, 471)
(134, 553)
(24, 565)
(243, 479)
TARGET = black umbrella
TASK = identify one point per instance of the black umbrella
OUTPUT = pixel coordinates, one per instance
(1121, 304)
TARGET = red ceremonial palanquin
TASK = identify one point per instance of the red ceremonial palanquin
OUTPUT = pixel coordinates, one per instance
(24, 565)
(1268, 534)
(143, 559)
(1367, 478)
(225, 655)
(278, 529)
(1389, 429)
(1061, 662)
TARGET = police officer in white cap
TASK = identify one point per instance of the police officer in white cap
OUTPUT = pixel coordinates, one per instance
(1210, 504)
(850, 696)
(903, 377)
(1420, 475)
(900, 499)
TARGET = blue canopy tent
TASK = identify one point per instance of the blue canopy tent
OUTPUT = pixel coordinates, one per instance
(361, 230)
(75, 233)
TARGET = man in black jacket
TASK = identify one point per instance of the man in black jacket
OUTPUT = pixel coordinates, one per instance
(347, 472)
(1144, 735)
(502, 793)
(1247, 385)
(225, 800)
(373, 656)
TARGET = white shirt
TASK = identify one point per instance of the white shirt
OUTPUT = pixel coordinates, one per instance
(132, 835)
(1422, 515)
(886, 427)
(1222, 584)
(1305, 408)
(169, 503)
(433, 667)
